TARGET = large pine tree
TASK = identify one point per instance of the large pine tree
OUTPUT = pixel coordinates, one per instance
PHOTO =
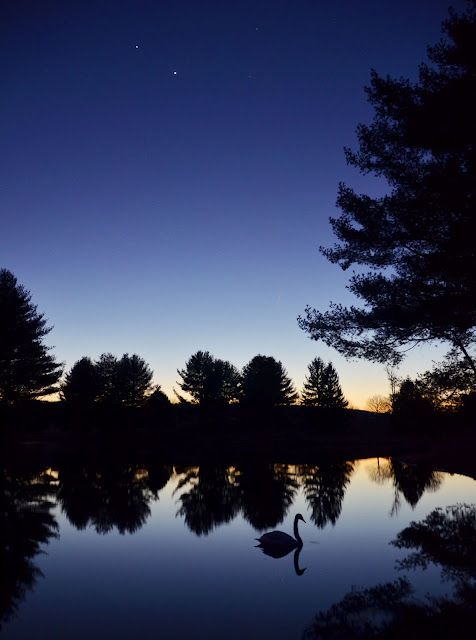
(27, 368)
(417, 241)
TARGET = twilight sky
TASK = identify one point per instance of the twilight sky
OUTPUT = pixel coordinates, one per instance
(168, 169)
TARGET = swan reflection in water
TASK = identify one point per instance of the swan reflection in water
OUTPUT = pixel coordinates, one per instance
(278, 544)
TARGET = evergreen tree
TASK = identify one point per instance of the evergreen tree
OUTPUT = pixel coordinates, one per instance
(227, 382)
(82, 385)
(332, 397)
(209, 380)
(27, 369)
(126, 381)
(313, 387)
(196, 376)
(265, 383)
(417, 240)
(106, 367)
(133, 380)
(322, 388)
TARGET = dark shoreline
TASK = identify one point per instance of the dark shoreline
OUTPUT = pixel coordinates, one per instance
(288, 436)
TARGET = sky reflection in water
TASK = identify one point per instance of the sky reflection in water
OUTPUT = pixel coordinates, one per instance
(170, 552)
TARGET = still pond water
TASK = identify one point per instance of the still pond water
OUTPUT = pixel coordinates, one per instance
(170, 552)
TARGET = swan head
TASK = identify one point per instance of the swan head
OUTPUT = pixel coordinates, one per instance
(299, 517)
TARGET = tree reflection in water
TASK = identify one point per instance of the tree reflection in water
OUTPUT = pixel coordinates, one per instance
(324, 488)
(26, 523)
(112, 496)
(115, 495)
(212, 498)
(157, 478)
(109, 496)
(215, 495)
(446, 538)
(266, 493)
(409, 480)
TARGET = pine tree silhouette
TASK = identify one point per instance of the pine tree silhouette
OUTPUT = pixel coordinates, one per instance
(27, 369)
(322, 388)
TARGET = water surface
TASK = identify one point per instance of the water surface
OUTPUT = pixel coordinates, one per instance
(162, 551)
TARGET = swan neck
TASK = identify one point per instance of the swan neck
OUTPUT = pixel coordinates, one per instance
(296, 532)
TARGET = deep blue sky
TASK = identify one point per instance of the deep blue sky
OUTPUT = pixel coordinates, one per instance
(168, 168)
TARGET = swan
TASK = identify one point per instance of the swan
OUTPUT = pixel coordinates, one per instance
(278, 544)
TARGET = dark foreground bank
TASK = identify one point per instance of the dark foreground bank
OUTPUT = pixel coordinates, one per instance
(187, 434)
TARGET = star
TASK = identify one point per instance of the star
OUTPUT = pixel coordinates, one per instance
(174, 73)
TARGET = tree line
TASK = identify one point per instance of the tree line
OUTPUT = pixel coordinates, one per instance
(28, 370)
(206, 380)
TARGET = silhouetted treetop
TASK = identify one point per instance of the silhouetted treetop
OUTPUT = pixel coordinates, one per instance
(265, 383)
(106, 367)
(127, 380)
(133, 380)
(27, 369)
(124, 381)
(82, 383)
(209, 380)
(418, 239)
(322, 387)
